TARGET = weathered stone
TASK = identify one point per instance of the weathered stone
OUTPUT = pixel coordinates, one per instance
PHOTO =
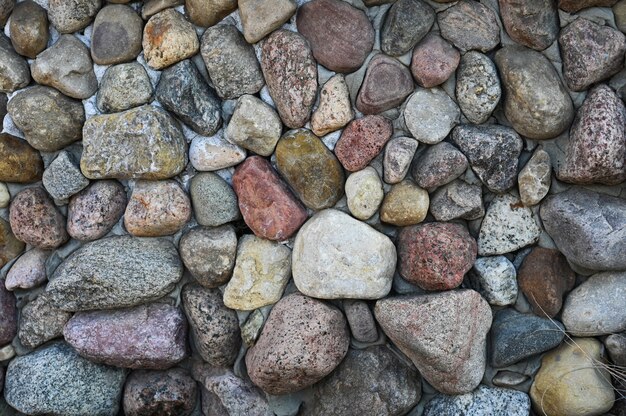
(573, 6)
(477, 87)
(387, 83)
(10, 246)
(535, 178)
(116, 35)
(49, 120)
(254, 126)
(405, 204)
(364, 193)
(154, 393)
(72, 16)
(534, 24)
(266, 204)
(362, 140)
(619, 12)
(8, 319)
(122, 87)
(18, 161)
(495, 279)
(430, 114)
(616, 347)
(434, 61)
(214, 200)
(399, 154)
(341, 36)
(14, 71)
(444, 335)
(115, 272)
(493, 153)
(29, 28)
(259, 18)
(168, 38)
(62, 178)
(40, 322)
(230, 61)
(291, 75)
(261, 272)
(535, 100)
(438, 165)
(360, 320)
(209, 254)
(587, 227)
(6, 7)
(406, 23)
(302, 341)
(338, 257)
(66, 384)
(470, 25)
(237, 396)
(214, 153)
(152, 7)
(457, 199)
(5, 196)
(481, 402)
(312, 171)
(214, 327)
(28, 271)
(206, 13)
(334, 110)
(93, 212)
(157, 149)
(435, 256)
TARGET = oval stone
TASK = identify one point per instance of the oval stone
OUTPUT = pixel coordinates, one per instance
(28, 28)
(116, 36)
(387, 83)
(477, 87)
(362, 141)
(430, 114)
(18, 161)
(434, 61)
(470, 25)
(10, 246)
(14, 70)
(28, 271)
(531, 23)
(406, 23)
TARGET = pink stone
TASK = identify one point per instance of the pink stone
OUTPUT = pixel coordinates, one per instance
(28, 271)
(387, 83)
(434, 61)
(362, 141)
(35, 219)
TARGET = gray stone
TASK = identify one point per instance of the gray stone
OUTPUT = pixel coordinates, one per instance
(458, 199)
(63, 178)
(259, 18)
(214, 200)
(40, 322)
(66, 66)
(399, 154)
(535, 178)
(237, 396)
(6, 7)
(152, 393)
(152, 7)
(477, 87)
(430, 114)
(28, 271)
(587, 227)
(122, 87)
(116, 35)
(493, 153)
(55, 380)
(182, 91)
(360, 320)
(115, 272)
(14, 71)
(231, 62)
(406, 23)
(209, 254)
(3, 106)
(254, 126)
(495, 279)
(596, 306)
(438, 165)
(72, 16)
(616, 346)
(470, 25)
(484, 401)
(49, 120)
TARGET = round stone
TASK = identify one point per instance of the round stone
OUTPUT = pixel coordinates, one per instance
(116, 35)
(477, 87)
(123, 87)
(214, 200)
(387, 83)
(18, 161)
(28, 271)
(72, 16)
(405, 204)
(29, 28)
(364, 193)
(254, 125)
(430, 114)
(434, 61)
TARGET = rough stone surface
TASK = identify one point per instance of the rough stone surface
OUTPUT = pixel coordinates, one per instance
(62, 178)
(438, 165)
(507, 226)
(435, 256)
(122, 87)
(576, 5)
(619, 12)
(492, 151)
(116, 37)
(157, 149)
(214, 153)
(48, 119)
(590, 52)
(369, 381)
(616, 346)
(40, 322)
(362, 140)
(534, 24)
(152, 393)
(8, 319)
(406, 23)
(259, 18)
(28, 271)
(312, 171)
(10, 246)
(209, 12)
(481, 402)
(341, 36)
(36, 221)
(254, 126)
(338, 257)
(19, 162)
(168, 38)
(361, 321)
(405, 204)
(261, 272)
(334, 109)
(266, 204)
(209, 254)
(72, 16)
(302, 341)
(434, 61)
(470, 25)
(430, 114)
(29, 28)
(399, 154)
(214, 327)
(364, 193)
(115, 272)
(444, 335)
(477, 87)
(6, 7)
(457, 199)
(535, 101)
(587, 227)
(495, 279)
(291, 75)
(230, 61)
(535, 178)
(214, 201)
(387, 83)
(237, 396)
(14, 71)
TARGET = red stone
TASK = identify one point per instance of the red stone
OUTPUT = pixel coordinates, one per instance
(434, 61)
(266, 203)
(436, 256)
(362, 141)
(340, 35)
(387, 83)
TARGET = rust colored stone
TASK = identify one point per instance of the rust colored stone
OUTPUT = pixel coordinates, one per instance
(362, 140)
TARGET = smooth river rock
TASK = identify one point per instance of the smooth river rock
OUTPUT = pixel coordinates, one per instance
(386, 84)
(470, 25)
(478, 88)
(14, 71)
(531, 23)
(29, 28)
(430, 114)
(406, 23)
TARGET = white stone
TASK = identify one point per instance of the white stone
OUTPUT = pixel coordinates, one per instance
(335, 109)
(364, 193)
(214, 153)
(5, 196)
(430, 114)
(497, 280)
(535, 178)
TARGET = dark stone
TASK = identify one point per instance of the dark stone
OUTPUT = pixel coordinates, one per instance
(406, 23)
(159, 393)
(387, 83)
(117, 33)
(29, 28)
(573, 6)
(532, 23)
(8, 315)
(438, 165)
(470, 25)
(18, 161)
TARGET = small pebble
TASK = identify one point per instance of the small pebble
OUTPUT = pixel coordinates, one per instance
(364, 193)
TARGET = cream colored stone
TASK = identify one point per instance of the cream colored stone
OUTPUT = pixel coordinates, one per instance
(334, 110)
(406, 204)
(262, 270)
(214, 153)
(364, 193)
(254, 126)
(5, 196)
(259, 18)
(6, 353)
(168, 38)
(535, 178)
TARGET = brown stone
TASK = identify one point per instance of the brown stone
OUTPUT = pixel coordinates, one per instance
(572, 6)
(168, 38)
(405, 204)
(35, 219)
(362, 141)
(18, 161)
(268, 207)
(159, 393)
(8, 313)
(434, 61)
(387, 83)
(341, 36)
(206, 13)
(29, 28)
(116, 36)
(10, 246)
(152, 7)
(470, 25)
(259, 18)
(544, 278)
(6, 7)
(532, 23)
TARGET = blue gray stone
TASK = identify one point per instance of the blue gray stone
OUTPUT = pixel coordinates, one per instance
(484, 401)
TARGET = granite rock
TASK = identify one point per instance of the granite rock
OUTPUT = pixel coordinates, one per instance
(254, 125)
(477, 87)
(362, 140)
(430, 114)
(495, 279)
(360, 320)
(72, 16)
(63, 178)
(41, 322)
(483, 401)
(237, 396)
(535, 178)
(123, 87)
(214, 200)
(458, 199)
(438, 165)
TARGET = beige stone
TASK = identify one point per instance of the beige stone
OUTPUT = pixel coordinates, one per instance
(208, 12)
(406, 204)
(254, 126)
(261, 17)
(535, 178)
(364, 192)
(5, 196)
(334, 110)
(168, 38)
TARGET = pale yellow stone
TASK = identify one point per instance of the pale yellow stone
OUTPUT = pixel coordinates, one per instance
(168, 38)
(334, 110)
(406, 204)
(5, 197)
(535, 178)
(571, 381)
(6, 353)
(364, 193)
(259, 18)
(262, 270)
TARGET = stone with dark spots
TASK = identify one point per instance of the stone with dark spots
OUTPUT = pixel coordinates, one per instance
(72, 16)
(209, 254)
(532, 23)
(362, 140)
(572, 6)
(434, 61)
(41, 322)
(341, 36)
(233, 396)
(62, 178)
(478, 88)
(590, 53)
(267, 205)
(116, 37)
(291, 75)
(481, 402)
(544, 278)
(214, 200)
(387, 83)
(303, 340)
(36, 221)
(438, 165)
(19, 162)
(596, 150)
(399, 154)
(10, 246)
(361, 321)
(29, 28)
(159, 393)
(214, 327)
(470, 25)
(493, 153)
(406, 23)
(8, 315)
(435, 256)
(183, 91)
